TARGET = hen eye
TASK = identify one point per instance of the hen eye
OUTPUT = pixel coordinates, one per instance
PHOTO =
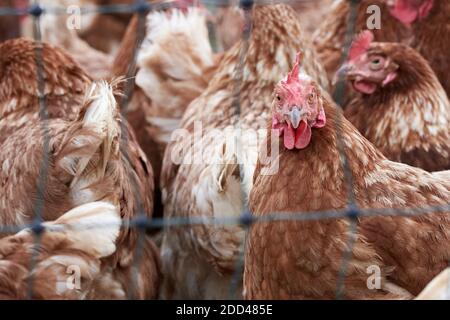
(376, 63)
(311, 97)
(278, 98)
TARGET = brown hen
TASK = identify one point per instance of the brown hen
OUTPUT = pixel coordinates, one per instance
(85, 161)
(401, 106)
(303, 259)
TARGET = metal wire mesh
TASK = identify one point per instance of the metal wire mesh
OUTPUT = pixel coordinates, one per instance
(140, 222)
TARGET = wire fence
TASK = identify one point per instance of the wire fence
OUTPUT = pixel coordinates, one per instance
(140, 221)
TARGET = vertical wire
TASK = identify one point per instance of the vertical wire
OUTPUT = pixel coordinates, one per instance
(353, 212)
(36, 11)
(246, 218)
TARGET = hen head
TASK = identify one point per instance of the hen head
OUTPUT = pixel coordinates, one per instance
(297, 107)
(410, 11)
(369, 68)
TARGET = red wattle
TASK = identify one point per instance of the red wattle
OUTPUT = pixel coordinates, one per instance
(404, 12)
(302, 135)
(289, 137)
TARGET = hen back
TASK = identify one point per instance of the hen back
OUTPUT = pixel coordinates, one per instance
(120, 173)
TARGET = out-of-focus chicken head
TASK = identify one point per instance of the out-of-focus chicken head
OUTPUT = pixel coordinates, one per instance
(173, 58)
(297, 108)
(410, 11)
(368, 67)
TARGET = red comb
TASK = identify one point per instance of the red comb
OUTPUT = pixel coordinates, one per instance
(293, 74)
(185, 4)
(361, 44)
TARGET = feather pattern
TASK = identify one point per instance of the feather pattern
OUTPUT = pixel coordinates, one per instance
(431, 36)
(75, 242)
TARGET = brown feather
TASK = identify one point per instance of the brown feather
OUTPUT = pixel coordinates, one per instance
(431, 36)
(64, 250)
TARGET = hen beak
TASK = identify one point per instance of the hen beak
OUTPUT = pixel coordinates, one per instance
(294, 117)
(341, 73)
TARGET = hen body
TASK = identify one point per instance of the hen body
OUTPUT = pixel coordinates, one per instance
(200, 175)
(302, 260)
(174, 65)
(108, 171)
(65, 84)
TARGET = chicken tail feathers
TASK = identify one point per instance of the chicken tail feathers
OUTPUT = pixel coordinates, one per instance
(94, 137)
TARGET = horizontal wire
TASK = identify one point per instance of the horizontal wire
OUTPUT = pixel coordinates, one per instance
(126, 8)
(152, 223)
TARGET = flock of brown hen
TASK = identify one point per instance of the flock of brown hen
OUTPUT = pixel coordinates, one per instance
(195, 115)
